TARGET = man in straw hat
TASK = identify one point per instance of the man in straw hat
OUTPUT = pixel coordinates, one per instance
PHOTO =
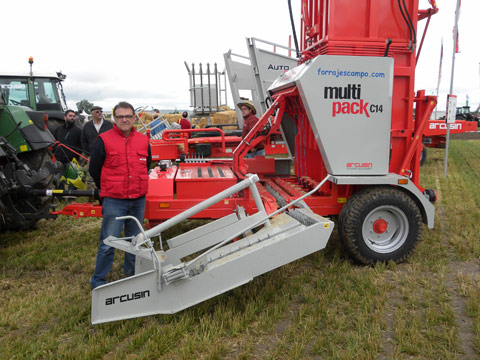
(249, 121)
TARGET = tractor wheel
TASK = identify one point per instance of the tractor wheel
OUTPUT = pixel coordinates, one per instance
(423, 155)
(379, 224)
(19, 211)
(53, 123)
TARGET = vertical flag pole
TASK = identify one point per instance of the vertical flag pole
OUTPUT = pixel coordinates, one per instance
(455, 49)
(439, 75)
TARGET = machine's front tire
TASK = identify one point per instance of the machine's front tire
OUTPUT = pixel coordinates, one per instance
(379, 224)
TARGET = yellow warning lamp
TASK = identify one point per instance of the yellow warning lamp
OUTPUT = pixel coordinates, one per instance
(30, 61)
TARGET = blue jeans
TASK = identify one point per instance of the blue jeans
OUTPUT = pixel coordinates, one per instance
(112, 208)
(251, 155)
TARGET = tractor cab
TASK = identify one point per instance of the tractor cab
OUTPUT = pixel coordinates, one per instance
(39, 92)
(463, 110)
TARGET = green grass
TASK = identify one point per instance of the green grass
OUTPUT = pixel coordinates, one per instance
(323, 306)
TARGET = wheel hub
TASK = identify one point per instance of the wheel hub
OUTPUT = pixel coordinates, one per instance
(379, 226)
(385, 229)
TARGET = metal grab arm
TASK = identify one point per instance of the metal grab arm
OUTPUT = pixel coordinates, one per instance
(140, 227)
(155, 258)
(188, 266)
(252, 179)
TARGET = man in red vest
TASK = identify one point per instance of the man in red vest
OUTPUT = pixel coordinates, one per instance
(119, 166)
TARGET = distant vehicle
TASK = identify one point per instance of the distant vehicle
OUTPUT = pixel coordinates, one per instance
(464, 113)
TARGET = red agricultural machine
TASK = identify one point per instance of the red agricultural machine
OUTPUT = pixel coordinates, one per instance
(434, 135)
(346, 112)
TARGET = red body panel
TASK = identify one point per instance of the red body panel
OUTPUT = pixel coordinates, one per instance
(439, 127)
(435, 134)
(203, 180)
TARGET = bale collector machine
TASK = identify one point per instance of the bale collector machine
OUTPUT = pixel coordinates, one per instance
(346, 112)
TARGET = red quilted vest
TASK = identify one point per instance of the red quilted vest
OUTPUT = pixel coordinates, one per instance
(124, 173)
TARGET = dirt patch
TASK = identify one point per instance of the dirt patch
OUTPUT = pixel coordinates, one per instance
(466, 136)
(466, 335)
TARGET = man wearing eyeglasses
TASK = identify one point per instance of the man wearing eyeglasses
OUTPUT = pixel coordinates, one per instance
(119, 166)
(93, 128)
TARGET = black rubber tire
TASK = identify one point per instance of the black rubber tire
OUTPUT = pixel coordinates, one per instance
(33, 208)
(378, 202)
(53, 123)
(423, 155)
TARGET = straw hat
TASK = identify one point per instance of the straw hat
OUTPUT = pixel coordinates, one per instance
(249, 104)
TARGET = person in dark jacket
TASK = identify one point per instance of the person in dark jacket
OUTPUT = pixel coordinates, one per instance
(93, 128)
(119, 166)
(69, 135)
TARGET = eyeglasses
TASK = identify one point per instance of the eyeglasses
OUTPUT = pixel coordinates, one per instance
(98, 111)
(124, 117)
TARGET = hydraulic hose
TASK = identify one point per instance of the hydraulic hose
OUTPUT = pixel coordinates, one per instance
(293, 29)
(414, 36)
(408, 21)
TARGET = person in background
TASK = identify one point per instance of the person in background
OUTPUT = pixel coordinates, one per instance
(93, 128)
(249, 120)
(69, 135)
(184, 123)
(79, 118)
(119, 165)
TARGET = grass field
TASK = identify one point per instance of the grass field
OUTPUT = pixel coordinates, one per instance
(321, 307)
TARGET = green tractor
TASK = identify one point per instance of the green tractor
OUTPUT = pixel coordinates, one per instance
(30, 105)
(464, 113)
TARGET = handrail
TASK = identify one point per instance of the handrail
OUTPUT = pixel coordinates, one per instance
(166, 136)
(59, 144)
(253, 137)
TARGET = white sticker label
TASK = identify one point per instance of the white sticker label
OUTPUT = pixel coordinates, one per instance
(14, 86)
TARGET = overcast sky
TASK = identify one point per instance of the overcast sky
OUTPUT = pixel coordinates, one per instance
(135, 50)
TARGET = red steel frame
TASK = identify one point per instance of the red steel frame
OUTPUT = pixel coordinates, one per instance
(434, 136)
(328, 27)
(177, 142)
(356, 28)
(361, 28)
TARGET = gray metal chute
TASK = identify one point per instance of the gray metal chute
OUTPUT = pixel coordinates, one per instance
(165, 284)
